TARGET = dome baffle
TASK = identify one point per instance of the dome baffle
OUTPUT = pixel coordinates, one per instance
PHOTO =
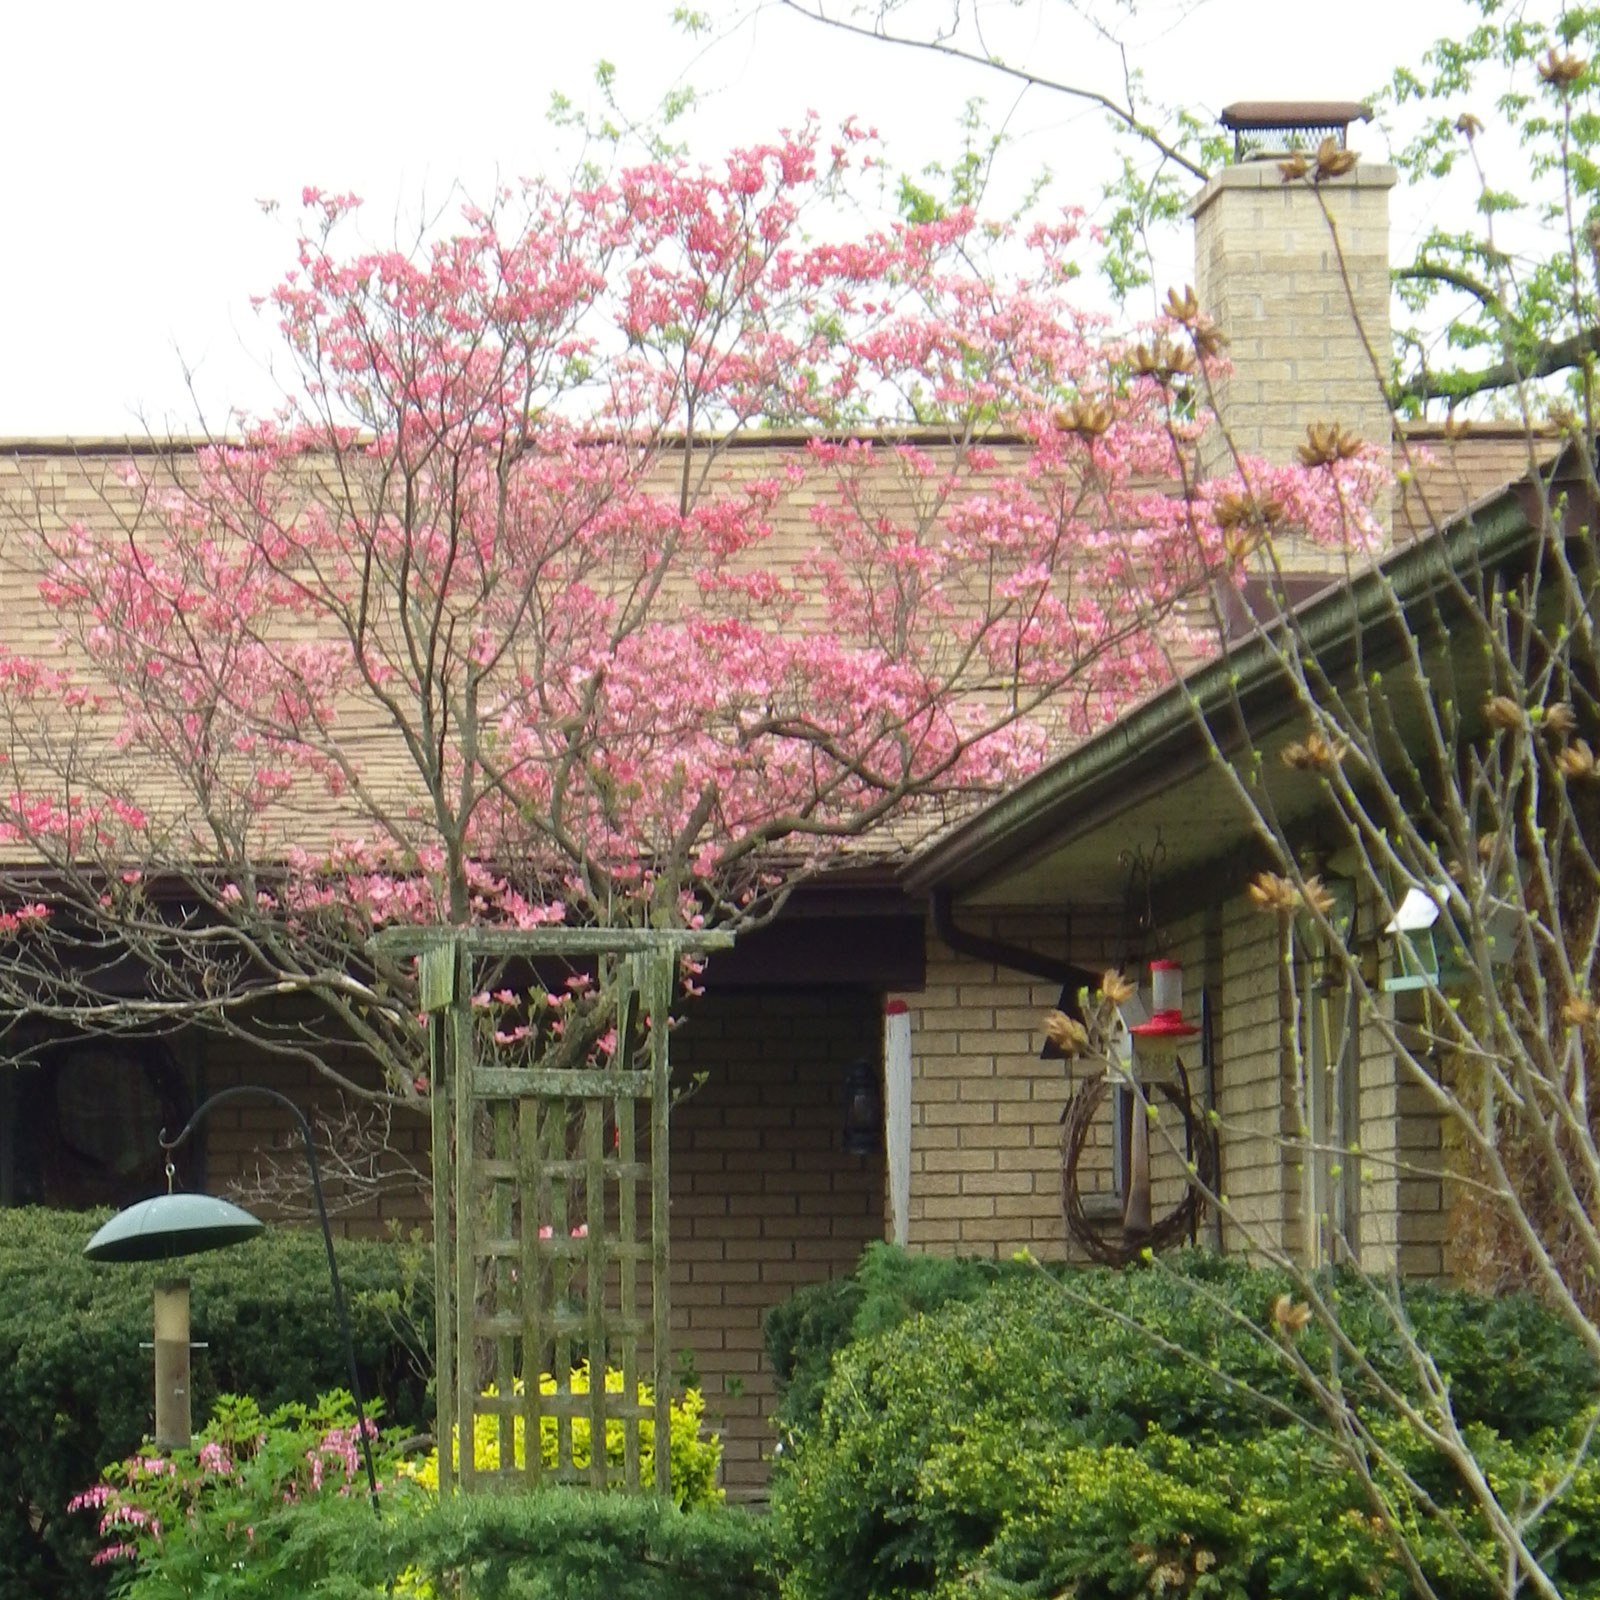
(170, 1225)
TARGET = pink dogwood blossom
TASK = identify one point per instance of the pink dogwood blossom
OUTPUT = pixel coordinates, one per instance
(575, 585)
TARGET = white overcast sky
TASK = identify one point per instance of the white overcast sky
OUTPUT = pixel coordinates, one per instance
(140, 140)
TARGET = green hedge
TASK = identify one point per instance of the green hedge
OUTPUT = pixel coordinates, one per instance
(569, 1544)
(805, 1332)
(1510, 1364)
(76, 1388)
(1107, 1433)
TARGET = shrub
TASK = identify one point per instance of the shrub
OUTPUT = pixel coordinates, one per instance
(805, 1332)
(1509, 1363)
(694, 1456)
(192, 1520)
(76, 1389)
(1116, 1433)
(568, 1544)
(802, 1335)
(1260, 1516)
(276, 1505)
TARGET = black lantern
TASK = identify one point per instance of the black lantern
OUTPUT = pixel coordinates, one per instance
(863, 1110)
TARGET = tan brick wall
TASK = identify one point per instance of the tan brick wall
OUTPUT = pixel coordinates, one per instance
(1264, 1165)
(1404, 1219)
(986, 1160)
(1423, 1220)
(1380, 1137)
(985, 1110)
(763, 1199)
(244, 1137)
(1251, 1102)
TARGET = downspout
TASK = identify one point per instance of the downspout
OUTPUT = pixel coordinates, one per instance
(1003, 953)
(1208, 1069)
(1208, 1056)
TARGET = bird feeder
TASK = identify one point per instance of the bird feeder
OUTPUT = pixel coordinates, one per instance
(1158, 1040)
(1155, 1043)
(174, 1420)
(161, 1229)
(1428, 953)
(170, 1225)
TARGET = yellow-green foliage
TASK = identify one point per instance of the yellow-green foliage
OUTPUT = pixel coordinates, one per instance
(694, 1454)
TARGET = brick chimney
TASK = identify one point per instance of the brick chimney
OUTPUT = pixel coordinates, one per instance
(1267, 272)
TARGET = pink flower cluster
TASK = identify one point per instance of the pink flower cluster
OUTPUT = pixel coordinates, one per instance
(125, 1498)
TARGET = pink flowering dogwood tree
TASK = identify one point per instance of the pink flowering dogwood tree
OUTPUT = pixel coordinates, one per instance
(621, 559)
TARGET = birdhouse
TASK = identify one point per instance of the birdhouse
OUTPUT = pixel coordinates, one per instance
(1428, 951)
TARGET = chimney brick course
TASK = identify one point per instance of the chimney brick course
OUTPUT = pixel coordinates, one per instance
(1297, 279)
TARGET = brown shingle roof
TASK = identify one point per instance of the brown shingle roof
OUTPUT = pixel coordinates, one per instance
(1440, 474)
(63, 481)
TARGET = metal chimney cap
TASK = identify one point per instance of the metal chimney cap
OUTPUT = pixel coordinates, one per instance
(1297, 124)
(1251, 116)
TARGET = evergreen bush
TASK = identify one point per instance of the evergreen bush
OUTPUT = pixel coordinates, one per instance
(1113, 1433)
(572, 1544)
(806, 1331)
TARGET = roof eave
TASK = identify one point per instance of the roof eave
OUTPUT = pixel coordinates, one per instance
(1167, 728)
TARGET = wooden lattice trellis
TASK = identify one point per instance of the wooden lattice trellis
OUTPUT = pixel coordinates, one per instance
(550, 1225)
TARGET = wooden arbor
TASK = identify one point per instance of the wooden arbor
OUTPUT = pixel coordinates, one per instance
(550, 1223)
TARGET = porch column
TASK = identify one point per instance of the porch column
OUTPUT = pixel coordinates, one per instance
(897, 1117)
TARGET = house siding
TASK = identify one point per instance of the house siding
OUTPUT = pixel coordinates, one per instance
(1251, 1102)
(985, 1109)
(243, 1137)
(986, 1155)
(1404, 1222)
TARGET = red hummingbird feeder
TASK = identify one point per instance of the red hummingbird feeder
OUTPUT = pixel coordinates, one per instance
(1166, 1025)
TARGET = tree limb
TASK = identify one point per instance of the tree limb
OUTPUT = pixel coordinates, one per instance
(1549, 357)
(1123, 114)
